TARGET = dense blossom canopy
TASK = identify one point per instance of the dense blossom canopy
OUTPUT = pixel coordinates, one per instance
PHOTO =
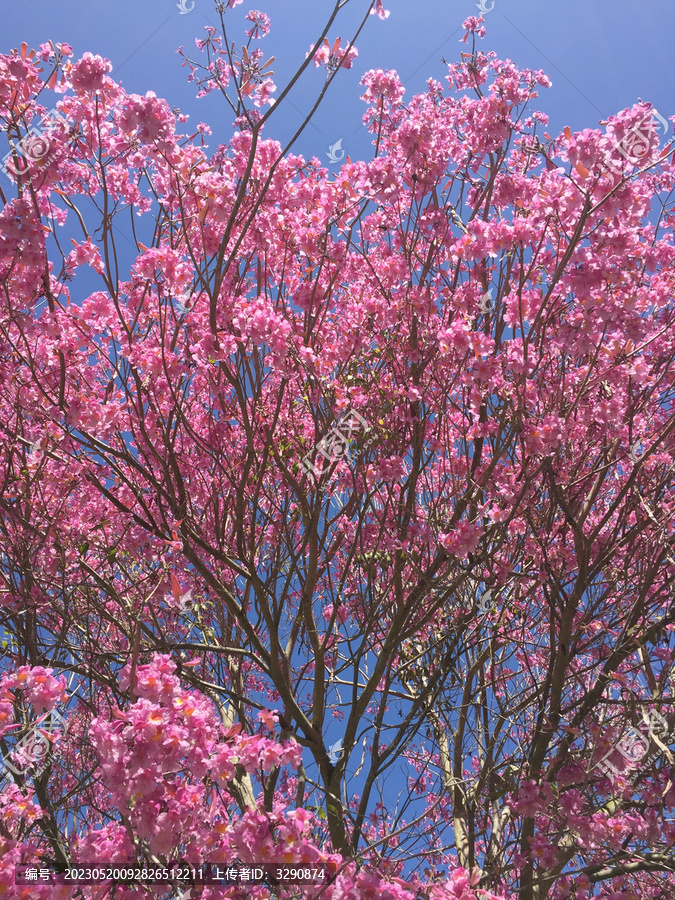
(337, 508)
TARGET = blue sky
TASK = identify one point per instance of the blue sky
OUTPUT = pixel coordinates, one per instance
(602, 56)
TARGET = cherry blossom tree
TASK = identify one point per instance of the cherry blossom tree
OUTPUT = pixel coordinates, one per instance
(337, 509)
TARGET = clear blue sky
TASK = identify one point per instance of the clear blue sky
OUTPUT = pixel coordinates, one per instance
(602, 56)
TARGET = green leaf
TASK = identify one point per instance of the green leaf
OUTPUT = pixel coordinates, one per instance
(319, 810)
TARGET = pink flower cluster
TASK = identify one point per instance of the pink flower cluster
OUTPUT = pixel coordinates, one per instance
(165, 265)
(88, 74)
(462, 540)
(382, 85)
(261, 24)
(148, 117)
(41, 688)
(125, 422)
(473, 25)
(545, 437)
(333, 57)
(85, 254)
(174, 732)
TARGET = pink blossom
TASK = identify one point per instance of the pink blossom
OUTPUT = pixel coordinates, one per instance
(379, 10)
(85, 254)
(462, 540)
(154, 425)
(261, 24)
(333, 57)
(269, 718)
(42, 689)
(381, 84)
(150, 117)
(262, 91)
(290, 754)
(89, 73)
(473, 25)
